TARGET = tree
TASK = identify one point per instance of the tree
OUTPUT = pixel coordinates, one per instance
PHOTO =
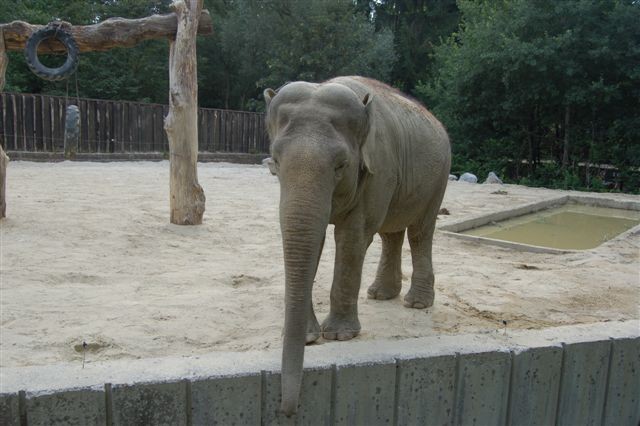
(417, 27)
(187, 199)
(542, 81)
(267, 43)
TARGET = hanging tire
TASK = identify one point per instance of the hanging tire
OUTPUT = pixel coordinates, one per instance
(44, 72)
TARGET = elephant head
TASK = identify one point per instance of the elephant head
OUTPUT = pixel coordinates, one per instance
(318, 135)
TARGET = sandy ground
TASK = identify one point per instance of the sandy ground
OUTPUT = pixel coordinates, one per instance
(87, 254)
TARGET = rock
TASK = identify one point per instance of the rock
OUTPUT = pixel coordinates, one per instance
(468, 177)
(493, 178)
(453, 177)
(444, 211)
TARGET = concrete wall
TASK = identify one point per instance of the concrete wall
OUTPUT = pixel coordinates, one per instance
(575, 375)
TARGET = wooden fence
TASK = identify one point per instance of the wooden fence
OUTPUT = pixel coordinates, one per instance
(35, 123)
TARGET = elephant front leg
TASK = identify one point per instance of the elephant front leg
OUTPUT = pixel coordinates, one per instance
(342, 322)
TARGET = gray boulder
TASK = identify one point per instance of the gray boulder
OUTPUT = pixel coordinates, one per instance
(493, 178)
(453, 177)
(468, 177)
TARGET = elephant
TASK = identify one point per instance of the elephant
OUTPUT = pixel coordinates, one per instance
(358, 154)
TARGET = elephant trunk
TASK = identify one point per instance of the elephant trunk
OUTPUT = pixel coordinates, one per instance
(303, 220)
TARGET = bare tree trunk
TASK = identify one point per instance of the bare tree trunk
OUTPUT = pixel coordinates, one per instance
(587, 176)
(227, 89)
(4, 160)
(187, 198)
(530, 129)
(565, 149)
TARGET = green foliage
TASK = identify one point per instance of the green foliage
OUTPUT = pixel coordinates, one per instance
(548, 175)
(544, 80)
(417, 26)
(480, 166)
(139, 73)
(267, 43)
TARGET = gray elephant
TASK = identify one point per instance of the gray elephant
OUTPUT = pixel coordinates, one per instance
(358, 154)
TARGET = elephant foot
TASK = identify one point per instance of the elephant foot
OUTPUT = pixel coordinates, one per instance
(383, 292)
(418, 300)
(340, 328)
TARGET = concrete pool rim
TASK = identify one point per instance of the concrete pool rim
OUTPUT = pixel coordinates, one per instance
(453, 229)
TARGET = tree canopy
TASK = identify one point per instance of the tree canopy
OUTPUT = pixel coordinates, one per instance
(260, 44)
(556, 84)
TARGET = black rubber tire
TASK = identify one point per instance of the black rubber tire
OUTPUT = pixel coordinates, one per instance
(46, 73)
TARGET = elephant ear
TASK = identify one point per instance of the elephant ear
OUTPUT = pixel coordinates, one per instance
(367, 147)
(269, 94)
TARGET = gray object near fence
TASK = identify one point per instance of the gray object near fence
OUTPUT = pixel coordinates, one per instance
(71, 132)
(468, 177)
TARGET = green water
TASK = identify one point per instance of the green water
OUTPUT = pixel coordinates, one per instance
(571, 226)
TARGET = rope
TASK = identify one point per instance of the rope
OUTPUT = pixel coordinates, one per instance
(77, 92)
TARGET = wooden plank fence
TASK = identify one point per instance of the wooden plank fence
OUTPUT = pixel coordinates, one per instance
(35, 123)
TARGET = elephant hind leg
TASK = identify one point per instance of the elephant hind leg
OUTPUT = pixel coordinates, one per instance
(388, 281)
(421, 293)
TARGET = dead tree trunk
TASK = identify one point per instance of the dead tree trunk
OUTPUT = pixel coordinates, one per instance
(4, 160)
(181, 124)
(187, 197)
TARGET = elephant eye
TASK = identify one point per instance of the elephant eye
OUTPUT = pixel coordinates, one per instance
(341, 166)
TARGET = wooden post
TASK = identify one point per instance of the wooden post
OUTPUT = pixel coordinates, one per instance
(4, 160)
(187, 198)
(105, 35)
(181, 124)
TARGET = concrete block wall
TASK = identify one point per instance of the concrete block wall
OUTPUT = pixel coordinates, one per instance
(587, 375)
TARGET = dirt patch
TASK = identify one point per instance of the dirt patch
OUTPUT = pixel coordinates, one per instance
(88, 256)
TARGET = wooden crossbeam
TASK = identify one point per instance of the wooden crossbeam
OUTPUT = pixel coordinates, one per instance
(187, 196)
(114, 32)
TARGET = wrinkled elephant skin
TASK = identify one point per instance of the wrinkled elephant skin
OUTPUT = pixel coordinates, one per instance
(358, 154)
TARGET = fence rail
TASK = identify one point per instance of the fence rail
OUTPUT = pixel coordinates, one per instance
(35, 123)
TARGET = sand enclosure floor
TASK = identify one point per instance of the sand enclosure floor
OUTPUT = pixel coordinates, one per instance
(88, 254)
